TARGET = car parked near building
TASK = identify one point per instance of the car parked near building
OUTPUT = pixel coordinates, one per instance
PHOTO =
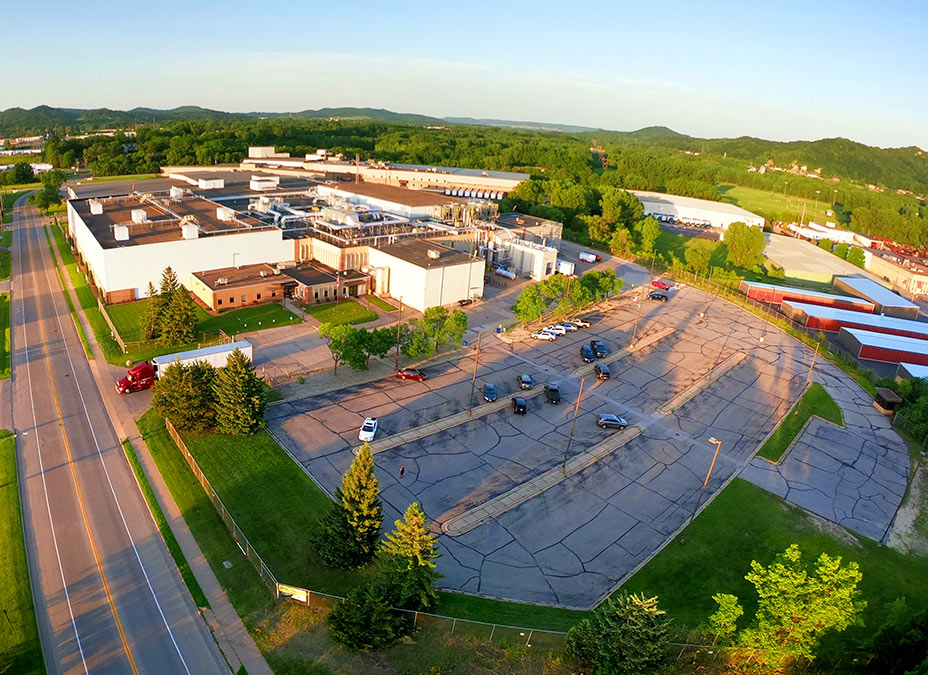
(411, 374)
(568, 326)
(599, 349)
(519, 407)
(663, 285)
(609, 421)
(552, 393)
(602, 372)
(658, 296)
(557, 330)
(586, 353)
(526, 382)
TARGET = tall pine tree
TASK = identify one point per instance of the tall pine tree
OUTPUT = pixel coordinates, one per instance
(178, 318)
(351, 528)
(240, 397)
(409, 570)
(151, 320)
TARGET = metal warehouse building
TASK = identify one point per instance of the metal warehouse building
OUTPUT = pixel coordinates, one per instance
(908, 371)
(695, 211)
(777, 294)
(886, 301)
(865, 344)
(833, 320)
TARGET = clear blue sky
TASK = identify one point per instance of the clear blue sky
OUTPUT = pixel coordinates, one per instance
(779, 70)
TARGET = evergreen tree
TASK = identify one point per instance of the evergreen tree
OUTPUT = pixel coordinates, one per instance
(169, 283)
(361, 499)
(335, 540)
(626, 635)
(240, 397)
(184, 395)
(409, 569)
(178, 318)
(364, 620)
(151, 320)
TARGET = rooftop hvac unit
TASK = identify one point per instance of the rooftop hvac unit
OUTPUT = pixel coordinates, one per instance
(225, 214)
(121, 233)
(263, 273)
(222, 281)
(138, 216)
(211, 183)
(434, 254)
(177, 192)
(96, 208)
(190, 231)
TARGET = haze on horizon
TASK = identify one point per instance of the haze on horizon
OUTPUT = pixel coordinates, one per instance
(787, 71)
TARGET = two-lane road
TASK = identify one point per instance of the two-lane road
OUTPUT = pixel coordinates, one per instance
(108, 596)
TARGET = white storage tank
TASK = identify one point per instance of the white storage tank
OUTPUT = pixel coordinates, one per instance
(138, 216)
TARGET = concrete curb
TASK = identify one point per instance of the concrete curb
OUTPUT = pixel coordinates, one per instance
(679, 400)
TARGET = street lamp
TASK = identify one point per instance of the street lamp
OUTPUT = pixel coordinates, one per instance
(834, 198)
(817, 193)
(718, 446)
(785, 183)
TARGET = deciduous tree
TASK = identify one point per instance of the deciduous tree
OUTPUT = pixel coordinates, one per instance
(857, 257)
(648, 231)
(745, 245)
(698, 255)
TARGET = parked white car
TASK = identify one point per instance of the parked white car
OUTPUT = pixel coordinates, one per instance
(569, 327)
(368, 430)
(544, 335)
(557, 330)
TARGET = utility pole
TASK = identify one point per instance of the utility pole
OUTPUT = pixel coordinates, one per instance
(637, 318)
(812, 365)
(571, 436)
(702, 491)
(399, 319)
(473, 382)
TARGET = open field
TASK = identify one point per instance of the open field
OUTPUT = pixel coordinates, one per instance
(293, 638)
(344, 311)
(4, 335)
(20, 651)
(776, 206)
(815, 401)
(745, 523)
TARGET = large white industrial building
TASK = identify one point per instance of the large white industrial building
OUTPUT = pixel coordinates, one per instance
(695, 211)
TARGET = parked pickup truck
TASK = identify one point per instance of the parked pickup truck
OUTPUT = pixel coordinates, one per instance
(143, 375)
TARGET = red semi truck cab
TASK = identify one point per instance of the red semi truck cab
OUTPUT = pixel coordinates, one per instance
(140, 376)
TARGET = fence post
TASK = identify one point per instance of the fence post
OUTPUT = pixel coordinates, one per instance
(454, 622)
(528, 640)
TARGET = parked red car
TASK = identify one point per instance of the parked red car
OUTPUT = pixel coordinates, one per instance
(411, 374)
(657, 283)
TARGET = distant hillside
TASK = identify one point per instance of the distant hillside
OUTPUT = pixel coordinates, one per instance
(532, 126)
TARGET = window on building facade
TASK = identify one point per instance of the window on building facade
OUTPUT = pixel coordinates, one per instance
(259, 296)
(243, 298)
(219, 301)
(231, 301)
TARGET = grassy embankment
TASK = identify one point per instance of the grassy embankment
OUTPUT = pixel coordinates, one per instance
(344, 311)
(20, 650)
(294, 638)
(67, 296)
(815, 401)
(5, 330)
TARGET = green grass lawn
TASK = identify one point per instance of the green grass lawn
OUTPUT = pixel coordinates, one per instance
(6, 238)
(5, 259)
(67, 297)
(776, 206)
(20, 650)
(344, 311)
(380, 302)
(744, 523)
(5, 330)
(9, 198)
(815, 401)
(294, 639)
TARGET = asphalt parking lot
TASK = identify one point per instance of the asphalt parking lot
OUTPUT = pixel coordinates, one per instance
(576, 541)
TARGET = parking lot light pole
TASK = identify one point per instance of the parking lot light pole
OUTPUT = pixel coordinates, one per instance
(399, 320)
(718, 446)
(570, 437)
(473, 382)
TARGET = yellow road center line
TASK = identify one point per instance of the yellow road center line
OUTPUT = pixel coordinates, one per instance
(80, 497)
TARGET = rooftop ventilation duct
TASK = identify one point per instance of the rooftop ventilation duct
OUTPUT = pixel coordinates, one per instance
(177, 192)
(190, 231)
(96, 207)
(225, 214)
(121, 233)
(139, 216)
(434, 254)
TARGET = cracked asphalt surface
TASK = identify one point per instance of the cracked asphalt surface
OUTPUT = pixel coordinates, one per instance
(576, 542)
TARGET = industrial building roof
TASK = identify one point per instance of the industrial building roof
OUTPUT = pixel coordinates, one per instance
(861, 318)
(692, 202)
(163, 216)
(516, 220)
(416, 251)
(850, 299)
(913, 370)
(511, 175)
(397, 195)
(115, 188)
(236, 183)
(237, 277)
(887, 341)
(878, 293)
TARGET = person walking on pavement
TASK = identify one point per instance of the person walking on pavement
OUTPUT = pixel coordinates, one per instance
(402, 470)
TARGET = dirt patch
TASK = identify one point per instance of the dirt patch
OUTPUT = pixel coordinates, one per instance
(909, 533)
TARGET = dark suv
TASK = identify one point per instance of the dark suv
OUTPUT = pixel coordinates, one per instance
(489, 393)
(599, 349)
(586, 354)
(602, 372)
(518, 405)
(552, 393)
